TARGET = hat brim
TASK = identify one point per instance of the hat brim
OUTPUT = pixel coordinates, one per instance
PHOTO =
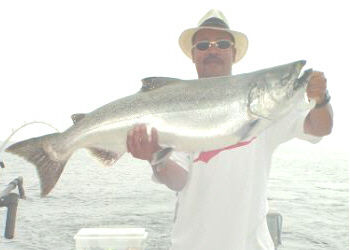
(241, 41)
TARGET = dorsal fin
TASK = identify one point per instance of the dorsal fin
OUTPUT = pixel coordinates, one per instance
(77, 117)
(150, 83)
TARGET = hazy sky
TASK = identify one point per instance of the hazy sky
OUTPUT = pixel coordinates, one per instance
(63, 57)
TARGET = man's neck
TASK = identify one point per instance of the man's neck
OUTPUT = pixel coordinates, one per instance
(221, 75)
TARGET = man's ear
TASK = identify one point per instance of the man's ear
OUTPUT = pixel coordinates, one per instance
(192, 56)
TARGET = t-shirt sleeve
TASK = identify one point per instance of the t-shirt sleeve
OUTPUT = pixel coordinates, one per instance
(182, 159)
(289, 127)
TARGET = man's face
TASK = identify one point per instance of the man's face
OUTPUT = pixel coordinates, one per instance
(213, 61)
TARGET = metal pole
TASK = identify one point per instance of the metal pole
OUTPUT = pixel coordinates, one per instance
(274, 223)
(18, 182)
(10, 201)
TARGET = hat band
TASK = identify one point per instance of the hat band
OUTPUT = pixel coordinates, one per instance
(214, 22)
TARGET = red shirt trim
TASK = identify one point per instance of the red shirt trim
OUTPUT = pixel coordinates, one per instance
(206, 156)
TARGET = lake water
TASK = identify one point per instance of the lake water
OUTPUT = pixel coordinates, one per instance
(308, 186)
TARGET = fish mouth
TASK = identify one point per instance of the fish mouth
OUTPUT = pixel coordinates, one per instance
(302, 81)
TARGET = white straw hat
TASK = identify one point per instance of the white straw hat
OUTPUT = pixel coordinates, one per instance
(214, 19)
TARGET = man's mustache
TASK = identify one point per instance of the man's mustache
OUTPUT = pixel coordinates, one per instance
(212, 58)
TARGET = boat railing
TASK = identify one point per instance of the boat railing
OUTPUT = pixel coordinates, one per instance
(10, 199)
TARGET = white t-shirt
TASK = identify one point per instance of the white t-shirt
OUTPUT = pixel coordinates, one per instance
(224, 203)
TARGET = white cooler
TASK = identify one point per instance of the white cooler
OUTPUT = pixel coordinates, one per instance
(111, 239)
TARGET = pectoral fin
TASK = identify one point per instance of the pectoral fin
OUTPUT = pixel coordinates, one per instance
(247, 130)
(107, 158)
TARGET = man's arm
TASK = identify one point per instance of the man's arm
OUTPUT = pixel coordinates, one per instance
(142, 147)
(172, 175)
(319, 121)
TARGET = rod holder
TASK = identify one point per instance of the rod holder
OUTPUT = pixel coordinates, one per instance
(11, 202)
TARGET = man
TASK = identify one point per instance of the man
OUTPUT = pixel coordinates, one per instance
(222, 202)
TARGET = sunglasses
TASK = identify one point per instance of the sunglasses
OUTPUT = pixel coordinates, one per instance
(221, 44)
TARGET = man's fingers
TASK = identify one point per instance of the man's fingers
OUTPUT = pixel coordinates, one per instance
(317, 83)
(137, 139)
(318, 78)
(128, 141)
(154, 135)
(315, 94)
(316, 89)
(143, 136)
(317, 73)
(317, 86)
(140, 144)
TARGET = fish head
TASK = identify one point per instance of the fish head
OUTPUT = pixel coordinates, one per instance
(278, 90)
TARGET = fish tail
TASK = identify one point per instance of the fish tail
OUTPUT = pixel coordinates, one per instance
(41, 152)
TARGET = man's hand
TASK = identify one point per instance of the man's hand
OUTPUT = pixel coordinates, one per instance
(319, 121)
(140, 145)
(317, 87)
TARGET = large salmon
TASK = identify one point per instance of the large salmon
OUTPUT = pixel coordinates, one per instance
(190, 115)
